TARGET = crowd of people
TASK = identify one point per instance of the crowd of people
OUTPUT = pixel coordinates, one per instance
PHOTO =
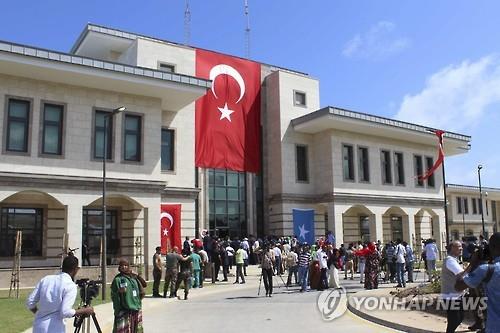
(308, 266)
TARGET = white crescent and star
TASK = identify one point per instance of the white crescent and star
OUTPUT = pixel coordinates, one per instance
(170, 218)
(225, 113)
(223, 69)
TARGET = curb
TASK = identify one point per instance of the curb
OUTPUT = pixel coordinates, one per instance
(386, 323)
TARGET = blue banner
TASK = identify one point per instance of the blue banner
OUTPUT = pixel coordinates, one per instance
(303, 225)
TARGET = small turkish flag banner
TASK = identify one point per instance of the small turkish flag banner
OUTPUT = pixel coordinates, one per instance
(228, 116)
(439, 159)
(170, 227)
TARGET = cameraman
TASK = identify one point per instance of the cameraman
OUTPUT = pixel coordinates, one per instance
(56, 295)
(489, 276)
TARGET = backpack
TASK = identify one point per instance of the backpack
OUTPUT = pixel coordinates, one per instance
(267, 263)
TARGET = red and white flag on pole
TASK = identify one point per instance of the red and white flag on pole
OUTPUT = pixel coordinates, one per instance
(440, 158)
(228, 116)
(170, 227)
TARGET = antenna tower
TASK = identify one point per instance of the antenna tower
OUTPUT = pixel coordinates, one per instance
(187, 24)
(247, 32)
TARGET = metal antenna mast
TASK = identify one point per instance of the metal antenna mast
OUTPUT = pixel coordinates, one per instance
(187, 24)
(247, 32)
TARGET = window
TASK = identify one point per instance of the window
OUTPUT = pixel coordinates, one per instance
(169, 68)
(301, 163)
(27, 220)
(385, 158)
(52, 129)
(92, 232)
(399, 168)
(227, 203)
(459, 205)
(364, 228)
(429, 162)
(299, 98)
(364, 165)
(397, 227)
(132, 138)
(18, 123)
(167, 149)
(99, 129)
(419, 168)
(348, 162)
(474, 206)
(466, 205)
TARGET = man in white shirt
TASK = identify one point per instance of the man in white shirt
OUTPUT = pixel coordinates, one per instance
(277, 259)
(431, 255)
(400, 253)
(322, 257)
(55, 296)
(230, 255)
(451, 271)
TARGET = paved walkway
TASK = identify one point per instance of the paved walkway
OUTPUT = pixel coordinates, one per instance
(226, 307)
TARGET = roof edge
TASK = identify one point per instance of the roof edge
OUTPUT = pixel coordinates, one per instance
(132, 36)
(336, 111)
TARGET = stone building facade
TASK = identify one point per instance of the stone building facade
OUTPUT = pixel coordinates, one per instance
(357, 171)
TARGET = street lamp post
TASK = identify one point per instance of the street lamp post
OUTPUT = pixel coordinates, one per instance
(479, 167)
(104, 213)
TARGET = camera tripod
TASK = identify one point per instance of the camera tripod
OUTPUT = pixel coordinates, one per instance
(274, 275)
(85, 320)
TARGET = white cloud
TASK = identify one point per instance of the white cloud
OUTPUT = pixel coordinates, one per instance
(456, 97)
(464, 98)
(380, 41)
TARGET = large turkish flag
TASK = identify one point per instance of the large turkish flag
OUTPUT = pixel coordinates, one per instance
(170, 227)
(228, 116)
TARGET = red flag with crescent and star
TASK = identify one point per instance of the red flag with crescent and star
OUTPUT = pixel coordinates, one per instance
(439, 159)
(228, 115)
(170, 227)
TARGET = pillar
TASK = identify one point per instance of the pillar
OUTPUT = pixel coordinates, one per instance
(335, 223)
(74, 217)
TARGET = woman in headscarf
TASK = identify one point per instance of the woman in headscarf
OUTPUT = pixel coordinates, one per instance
(127, 292)
(333, 267)
(315, 270)
(372, 265)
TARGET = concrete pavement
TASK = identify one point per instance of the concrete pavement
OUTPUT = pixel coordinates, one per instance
(224, 306)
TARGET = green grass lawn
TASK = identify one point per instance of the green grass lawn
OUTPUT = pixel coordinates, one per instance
(14, 317)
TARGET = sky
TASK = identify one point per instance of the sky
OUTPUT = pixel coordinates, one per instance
(435, 63)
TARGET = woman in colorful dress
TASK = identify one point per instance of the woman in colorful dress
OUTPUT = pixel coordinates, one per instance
(372, 265)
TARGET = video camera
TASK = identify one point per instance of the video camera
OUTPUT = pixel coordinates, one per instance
(89, 289)
(482, 249)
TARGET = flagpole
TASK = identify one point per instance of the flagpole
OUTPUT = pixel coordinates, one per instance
(447, 226)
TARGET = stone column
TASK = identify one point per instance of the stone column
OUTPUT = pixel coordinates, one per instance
(409, 232)
(377, 227)
(74, 216)
(335, 222)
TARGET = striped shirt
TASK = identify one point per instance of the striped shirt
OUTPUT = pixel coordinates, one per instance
(304, 259)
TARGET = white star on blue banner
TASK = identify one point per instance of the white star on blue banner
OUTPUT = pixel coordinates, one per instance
(303, 225)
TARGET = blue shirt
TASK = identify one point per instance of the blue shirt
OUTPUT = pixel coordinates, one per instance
(492, 290)
(409, 254)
